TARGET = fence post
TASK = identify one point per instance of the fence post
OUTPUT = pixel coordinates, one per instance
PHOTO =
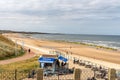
(77, 74)
(40, 74)
(111, 74)
(15, 74)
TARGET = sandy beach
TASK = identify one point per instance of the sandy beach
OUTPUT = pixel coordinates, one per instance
(103, 57)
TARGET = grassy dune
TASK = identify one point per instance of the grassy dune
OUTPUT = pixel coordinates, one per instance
(7, 48)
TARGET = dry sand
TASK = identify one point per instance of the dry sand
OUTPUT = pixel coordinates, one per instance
(107, 58)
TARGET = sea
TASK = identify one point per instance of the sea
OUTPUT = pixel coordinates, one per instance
(112, 41)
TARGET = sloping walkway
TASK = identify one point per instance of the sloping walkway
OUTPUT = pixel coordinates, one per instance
(25, 56)
(21, 58)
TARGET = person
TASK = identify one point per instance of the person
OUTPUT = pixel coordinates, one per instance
(58, 63)
(74, 61)
(66, 65)
(103, 74)
(93, 78)
(100, 67)
(29, 75)
(33, 73)
(62, 64)
(29, 50)
(72, 70)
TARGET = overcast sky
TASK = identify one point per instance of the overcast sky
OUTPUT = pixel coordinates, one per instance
(61, 16)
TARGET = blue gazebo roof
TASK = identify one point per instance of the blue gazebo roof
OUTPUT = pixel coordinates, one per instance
(63, 58)
(46, 60)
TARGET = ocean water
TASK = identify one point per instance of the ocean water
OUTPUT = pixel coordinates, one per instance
(112, 41)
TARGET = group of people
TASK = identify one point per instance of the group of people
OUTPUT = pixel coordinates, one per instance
(62, 64)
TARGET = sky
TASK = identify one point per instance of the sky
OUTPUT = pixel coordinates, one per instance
(61, 16)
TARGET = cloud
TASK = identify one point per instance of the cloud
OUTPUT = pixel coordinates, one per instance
(14, 5)
(56, 13)
(70, 9)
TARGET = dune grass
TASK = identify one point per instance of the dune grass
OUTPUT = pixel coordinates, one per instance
(8, 49)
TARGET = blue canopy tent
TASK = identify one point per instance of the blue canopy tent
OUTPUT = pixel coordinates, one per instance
(46, 60)
(63, 58)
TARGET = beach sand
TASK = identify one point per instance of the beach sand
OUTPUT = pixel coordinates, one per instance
(102, 56)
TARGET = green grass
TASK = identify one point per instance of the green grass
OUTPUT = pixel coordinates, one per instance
(8, 49)
(22, 65)
(21, 69)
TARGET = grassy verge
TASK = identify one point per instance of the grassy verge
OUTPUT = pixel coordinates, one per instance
(19, 70)
(22, 65)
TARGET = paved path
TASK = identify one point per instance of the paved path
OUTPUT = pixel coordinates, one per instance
(21, 58)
